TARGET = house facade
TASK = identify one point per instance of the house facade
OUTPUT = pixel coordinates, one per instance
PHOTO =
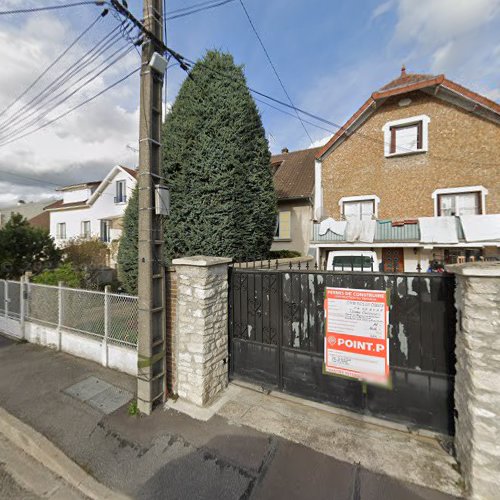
(421, 159)
(93, 209)
(293, 174)
(34, 212)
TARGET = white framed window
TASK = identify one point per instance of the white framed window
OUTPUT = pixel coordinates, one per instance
(359, 207)
(470, 200)
(85, 232)
(406, 136)
(283, 226)
(61, 230)
(121, 191)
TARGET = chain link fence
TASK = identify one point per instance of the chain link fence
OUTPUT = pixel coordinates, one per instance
(110, 316)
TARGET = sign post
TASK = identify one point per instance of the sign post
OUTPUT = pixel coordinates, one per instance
(356, 342)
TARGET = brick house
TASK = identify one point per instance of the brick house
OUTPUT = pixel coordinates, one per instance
(293, 174)
(421, 156)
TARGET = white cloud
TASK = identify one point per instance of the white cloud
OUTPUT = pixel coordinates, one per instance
(381, 9)
(320, 142)
(456, 37)
(80, 147)
(434, 22)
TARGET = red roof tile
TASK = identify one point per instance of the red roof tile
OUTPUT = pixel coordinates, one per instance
(131, 171)
(294, 177)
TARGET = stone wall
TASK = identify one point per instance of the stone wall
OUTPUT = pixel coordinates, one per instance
(477, 382)
(201, 328)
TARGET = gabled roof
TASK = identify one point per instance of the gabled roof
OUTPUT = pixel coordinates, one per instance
(100, 186)
(410, 82)
(294, 176)
(107, 180)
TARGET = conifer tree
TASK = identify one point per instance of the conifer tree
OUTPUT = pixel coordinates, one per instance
(216, 162)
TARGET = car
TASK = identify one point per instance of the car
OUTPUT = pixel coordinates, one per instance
(352, 260)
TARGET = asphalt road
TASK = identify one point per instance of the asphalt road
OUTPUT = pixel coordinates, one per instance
(169, 455)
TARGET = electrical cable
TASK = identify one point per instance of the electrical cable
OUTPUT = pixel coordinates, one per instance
(201, 9)
(52, 64)
(61, 79)
(273, 66)
(51, 7)
(190, 7)
(124, 51)
(324, 120)
(86, 101)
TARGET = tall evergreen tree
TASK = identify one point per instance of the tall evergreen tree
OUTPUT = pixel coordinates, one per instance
(127, 251)
(216, 162)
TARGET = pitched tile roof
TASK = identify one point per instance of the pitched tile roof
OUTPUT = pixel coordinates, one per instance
(294, 177)
(409, 82)
(131, 171)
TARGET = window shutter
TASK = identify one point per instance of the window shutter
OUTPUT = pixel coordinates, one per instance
(393, 140)
(284, 231)
(419, 135)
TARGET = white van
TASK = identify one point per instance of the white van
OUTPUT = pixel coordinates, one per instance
(352, 260)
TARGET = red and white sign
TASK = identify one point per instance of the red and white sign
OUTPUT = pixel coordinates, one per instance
(356, 343)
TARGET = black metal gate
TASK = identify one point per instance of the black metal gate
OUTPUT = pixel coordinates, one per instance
(277, 329)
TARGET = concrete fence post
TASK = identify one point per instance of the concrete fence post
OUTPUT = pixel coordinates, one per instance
(59, 314)
(201, 328)
(22, 306)
(477, 380)
(6, 299)
(107, 319)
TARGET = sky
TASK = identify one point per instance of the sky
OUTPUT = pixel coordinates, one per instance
(330, 55)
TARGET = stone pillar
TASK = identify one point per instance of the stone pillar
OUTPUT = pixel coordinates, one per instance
(202, 330)
(477, 381)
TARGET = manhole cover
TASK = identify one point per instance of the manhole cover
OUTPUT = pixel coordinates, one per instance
(99, 394)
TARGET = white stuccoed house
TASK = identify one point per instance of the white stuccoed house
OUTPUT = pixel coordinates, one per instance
(93, 209)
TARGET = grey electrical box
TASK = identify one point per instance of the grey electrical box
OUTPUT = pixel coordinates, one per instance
(162, 200)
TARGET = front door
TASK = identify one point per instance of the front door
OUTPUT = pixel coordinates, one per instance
(393, 260)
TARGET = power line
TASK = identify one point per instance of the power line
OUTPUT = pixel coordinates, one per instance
(62, 78)
(273, 66)
(324, 120)
(43, 114)
(201, 9)
(192, 6)
(51, 7)
(293, 115)
(53, 63)
(86, 101)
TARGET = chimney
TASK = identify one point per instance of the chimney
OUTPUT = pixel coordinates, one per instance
(403, 71)
(284, 151)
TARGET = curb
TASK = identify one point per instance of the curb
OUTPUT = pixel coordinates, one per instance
(44, 451)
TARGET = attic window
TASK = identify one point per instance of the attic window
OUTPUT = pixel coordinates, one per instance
(406, 136)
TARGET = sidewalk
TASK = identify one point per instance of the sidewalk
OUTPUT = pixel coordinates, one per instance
(170, 455)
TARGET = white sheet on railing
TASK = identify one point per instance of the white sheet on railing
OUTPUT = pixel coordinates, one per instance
(335, 226)
(438, 230)
(481, 227)
(360, 230)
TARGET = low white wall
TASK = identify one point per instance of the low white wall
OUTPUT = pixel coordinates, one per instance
(113, 356)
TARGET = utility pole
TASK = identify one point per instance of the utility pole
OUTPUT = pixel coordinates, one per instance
(151, 380)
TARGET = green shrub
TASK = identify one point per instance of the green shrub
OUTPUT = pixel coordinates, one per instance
(283, 254)
(64, 272)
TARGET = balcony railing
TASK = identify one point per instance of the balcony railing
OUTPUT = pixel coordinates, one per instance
(384, 231)
(121, 199)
